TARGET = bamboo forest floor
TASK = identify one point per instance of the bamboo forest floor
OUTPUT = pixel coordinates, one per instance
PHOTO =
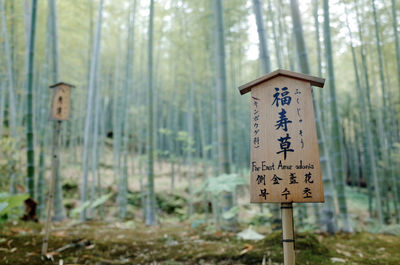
(133, 243)
(178, 239)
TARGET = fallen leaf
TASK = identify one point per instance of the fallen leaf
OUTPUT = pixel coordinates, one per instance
(60, 234)
(340, 246)
(13, 250)
(347, 254)
(50, 255)
(247, 248)
(90, 246)
(338, 260)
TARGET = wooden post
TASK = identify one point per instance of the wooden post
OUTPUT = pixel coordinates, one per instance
(54, 166)
(288, 234)
(60, 109)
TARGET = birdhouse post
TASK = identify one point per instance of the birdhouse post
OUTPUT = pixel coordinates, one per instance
(284, 165)
(60, 109)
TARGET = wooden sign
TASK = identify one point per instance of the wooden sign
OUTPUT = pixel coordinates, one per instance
(60, 105)
(284, 164)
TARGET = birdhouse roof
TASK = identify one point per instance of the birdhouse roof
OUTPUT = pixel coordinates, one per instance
(313, 80)
(61, 83)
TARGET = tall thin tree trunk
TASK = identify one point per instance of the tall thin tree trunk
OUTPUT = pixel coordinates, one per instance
(222, 110)
(276, 36)
(88, 119)
(123, 181)
(299, 38)
(190, 146)
(30, 151)
(396, 39)
(10, 73)
(43, 121)
(203, 150)
(317, 37)
(151, 200)
(59, 211)
(3, 96)
(280, 30)
(95, 144)
(262, 36)
(335, 133)
(364, 64)
(11, 93)
(380, 61)
(116, 119)
(319, 59)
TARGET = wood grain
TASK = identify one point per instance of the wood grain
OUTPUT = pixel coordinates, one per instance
(304, 160)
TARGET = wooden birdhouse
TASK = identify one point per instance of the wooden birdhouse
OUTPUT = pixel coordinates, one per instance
(284, 164)
(60, 105)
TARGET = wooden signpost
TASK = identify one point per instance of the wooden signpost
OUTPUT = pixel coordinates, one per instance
(60, 109)
(284, 166)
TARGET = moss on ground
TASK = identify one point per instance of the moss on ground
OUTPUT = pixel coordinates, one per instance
(115, 243)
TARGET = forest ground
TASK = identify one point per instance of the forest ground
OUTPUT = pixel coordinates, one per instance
(128, 243)
(179, 240)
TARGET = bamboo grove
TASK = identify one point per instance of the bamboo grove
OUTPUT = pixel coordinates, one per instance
(156, 91)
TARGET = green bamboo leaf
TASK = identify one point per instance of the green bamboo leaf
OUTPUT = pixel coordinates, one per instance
(231, 213)
(100, 200)
(79, 209)
(12, 202)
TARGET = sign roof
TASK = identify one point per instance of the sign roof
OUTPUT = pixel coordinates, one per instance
(61, 83)
(313, 80)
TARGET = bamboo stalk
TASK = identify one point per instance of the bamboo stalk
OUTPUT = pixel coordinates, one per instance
(288, 234)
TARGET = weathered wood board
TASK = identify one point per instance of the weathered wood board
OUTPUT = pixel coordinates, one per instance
(60, 106)
(284, 164)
